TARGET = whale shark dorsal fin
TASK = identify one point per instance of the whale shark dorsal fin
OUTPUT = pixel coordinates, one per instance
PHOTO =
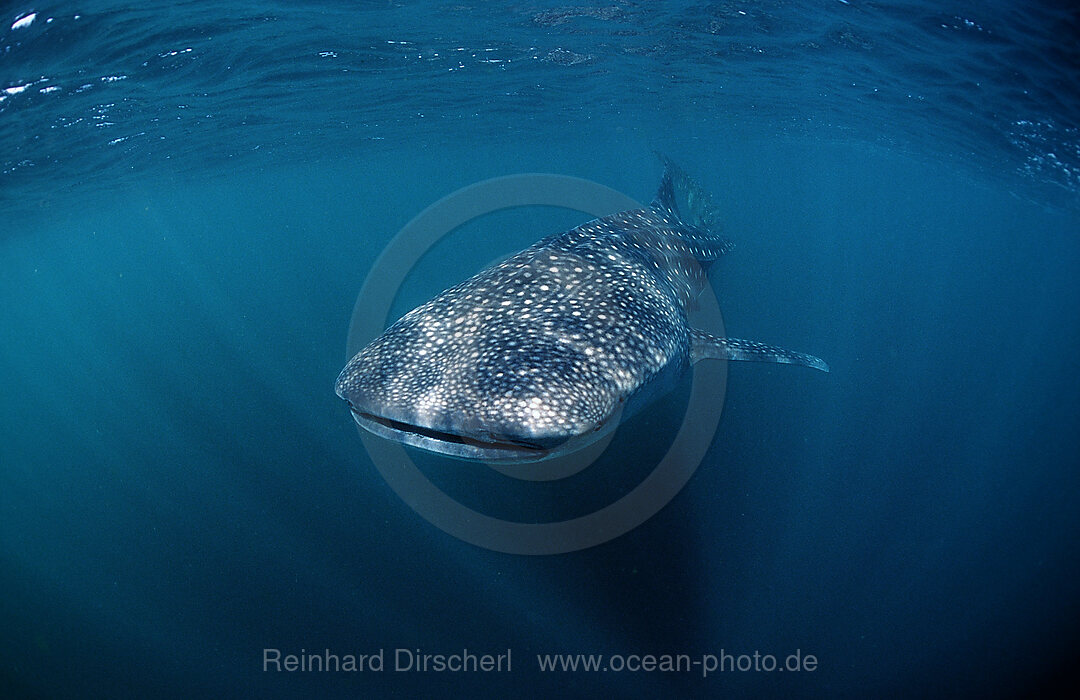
(705, 346)
(682, 198)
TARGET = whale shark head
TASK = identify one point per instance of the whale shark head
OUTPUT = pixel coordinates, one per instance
(430, 400)
(498, 389)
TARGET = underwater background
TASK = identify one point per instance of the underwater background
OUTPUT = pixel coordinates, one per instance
(191, 195)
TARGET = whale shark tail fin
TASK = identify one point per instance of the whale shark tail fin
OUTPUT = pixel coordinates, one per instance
(682, 197)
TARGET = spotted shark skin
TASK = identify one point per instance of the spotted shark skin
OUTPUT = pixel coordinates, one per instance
(540, 354)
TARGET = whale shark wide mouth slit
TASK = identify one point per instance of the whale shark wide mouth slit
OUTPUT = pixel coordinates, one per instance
(521, 446)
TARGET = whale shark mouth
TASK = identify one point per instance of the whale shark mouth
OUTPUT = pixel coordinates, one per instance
(449, 442)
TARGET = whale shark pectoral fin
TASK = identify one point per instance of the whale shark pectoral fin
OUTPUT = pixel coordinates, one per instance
(705, 346)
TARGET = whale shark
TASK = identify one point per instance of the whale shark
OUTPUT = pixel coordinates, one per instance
(548, 350)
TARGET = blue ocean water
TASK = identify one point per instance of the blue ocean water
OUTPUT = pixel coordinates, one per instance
(193, 193)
